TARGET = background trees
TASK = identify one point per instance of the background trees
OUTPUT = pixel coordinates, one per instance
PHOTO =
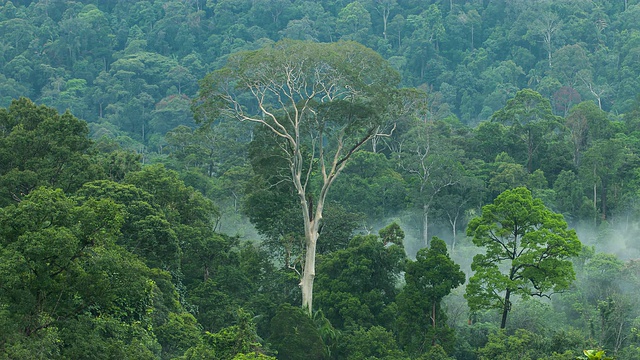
(567, 52)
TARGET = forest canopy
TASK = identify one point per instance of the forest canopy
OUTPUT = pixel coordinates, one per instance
(139, 219)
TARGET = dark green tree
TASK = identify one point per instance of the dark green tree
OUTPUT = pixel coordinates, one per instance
(421, 321)
(587, 124)
(146, 231)
(502, 346)
(67, 286)
(603, 166)
(531, 121)
(371, 186)
(430, 163)
(295, 336)
(39, 147)
(375, 342)
(357, 285)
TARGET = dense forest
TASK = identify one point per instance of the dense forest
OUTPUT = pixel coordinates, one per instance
(428, 179)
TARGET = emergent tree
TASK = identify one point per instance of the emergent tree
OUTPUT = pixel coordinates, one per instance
(321, 102)
(527, 252)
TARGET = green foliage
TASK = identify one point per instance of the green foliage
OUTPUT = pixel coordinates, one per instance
(488, 51)
(253, 356)
(521, 345)
(596, 355)
(180, 203)
(507, 174)
(604, 304)
(353, 22)
(392, 234)
(530, 120)
(179, 333)
(146, 231)
(239, 341)
(130, 70)
(39, 147)
(569, 197)
(603, 167)
(421, 321)
(294, 336)
(435, 352)
(373, 343)
(357, 285)
(64, 278)
(371, 186)
(534, 245)
(107, 338)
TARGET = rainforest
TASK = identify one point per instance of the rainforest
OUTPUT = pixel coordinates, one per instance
(331, 179)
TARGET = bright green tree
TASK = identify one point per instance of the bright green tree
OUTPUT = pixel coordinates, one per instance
(527, 252)
(595, 355)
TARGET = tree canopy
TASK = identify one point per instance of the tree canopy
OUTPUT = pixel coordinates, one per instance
(527, 252)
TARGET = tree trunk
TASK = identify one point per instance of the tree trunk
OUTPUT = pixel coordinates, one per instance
(529, 151)
(312, 218)
(385, 18)
(471, 37)
(505, 309)
(433, 323)
(425, 225)
(603, 198)
(453, 244)
(309, 272)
